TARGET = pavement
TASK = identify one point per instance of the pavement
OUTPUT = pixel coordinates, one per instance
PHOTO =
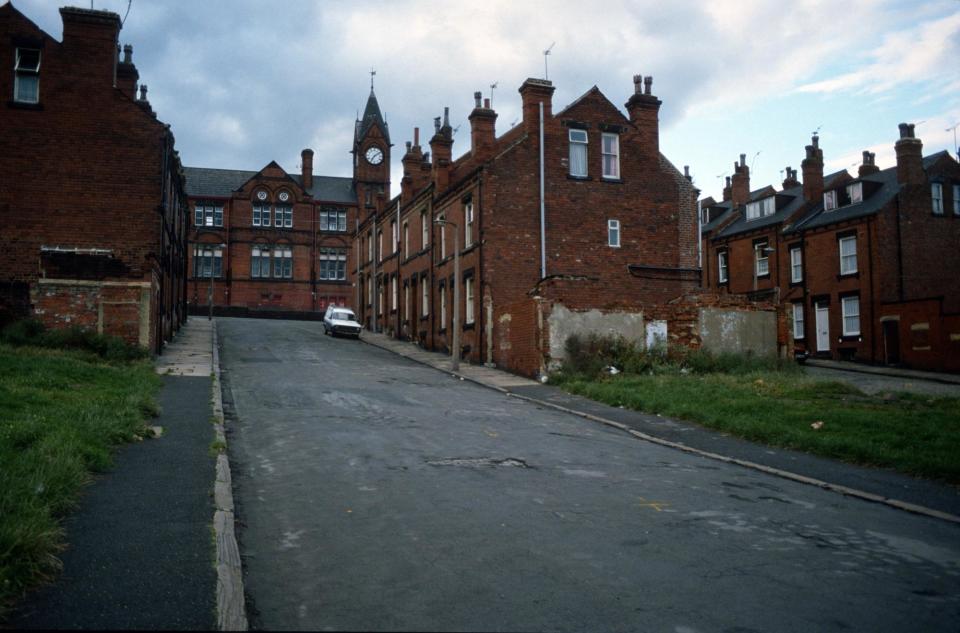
(893, 489)
(139, 551)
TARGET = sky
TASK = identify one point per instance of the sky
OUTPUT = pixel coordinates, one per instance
(244, 82)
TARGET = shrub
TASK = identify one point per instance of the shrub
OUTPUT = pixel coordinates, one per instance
(32, 332)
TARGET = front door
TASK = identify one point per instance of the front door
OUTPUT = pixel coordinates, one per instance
(891, 342)
(823, 327)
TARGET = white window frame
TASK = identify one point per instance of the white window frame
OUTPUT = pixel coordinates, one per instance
(282, 262)
(406, 239)
(333, 264)
(207, 262)
(936, 196)
(424, 297)
(578, 152)
(393, 293)
(443, 307)
(283, 216)
(850, 310)
(829, 200)
(848, 260)
(20, 74)
(443, 241)
(468, 224)
(798, 321)
(260, 261)
(406, 302)
(394, 236)
(333, 220)
(760, 208)
(613, 233)
(613, 174)
(369, 291)
(380, 245)
(855, 192)
(468, 295)
(207, 214)
(261, 214)
(424, 230)
(762, 259)
(796, 265)
(723, 267)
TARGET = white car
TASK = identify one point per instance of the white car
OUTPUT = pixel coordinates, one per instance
(340, 320)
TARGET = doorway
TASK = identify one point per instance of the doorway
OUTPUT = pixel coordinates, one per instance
(891, 342)
(823, 327)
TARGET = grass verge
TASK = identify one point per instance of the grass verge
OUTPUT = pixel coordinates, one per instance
(61, 414)
(917, 435)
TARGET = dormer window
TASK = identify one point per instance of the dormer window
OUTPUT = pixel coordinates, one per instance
(760, 208)
(851, 194)
(26, 81)
(855, 192)
(829, 200)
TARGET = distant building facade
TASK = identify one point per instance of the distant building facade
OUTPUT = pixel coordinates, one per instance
(864, 267)
(93, 181)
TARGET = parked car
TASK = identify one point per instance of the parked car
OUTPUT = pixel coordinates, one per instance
(340, 320)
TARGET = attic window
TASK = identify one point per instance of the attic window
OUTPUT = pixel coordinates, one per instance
(829, 200)
(855, 192)
(760, 208)
(26, 85)
(851, 194)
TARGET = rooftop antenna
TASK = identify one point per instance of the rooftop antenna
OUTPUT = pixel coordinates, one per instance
(754, 161)
(954, 130)
(493, 87)
(457, 128)
(514, 122)
(546, 75)
(124, 20)
(817, 131)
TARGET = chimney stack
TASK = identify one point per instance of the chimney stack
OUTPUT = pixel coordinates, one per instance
(482, 128)
(644, 110)
(306, 168)
(909, 157)
(869, 165)
(812, 167)
(791, 180)
(740, 191)
(92, 36)
(441, 145)
(533, 92)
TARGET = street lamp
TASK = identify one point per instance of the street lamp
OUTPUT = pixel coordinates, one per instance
(757, 249)
(456, 290)
(221, 246)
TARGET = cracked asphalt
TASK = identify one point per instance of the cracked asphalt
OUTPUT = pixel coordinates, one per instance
(374, 493)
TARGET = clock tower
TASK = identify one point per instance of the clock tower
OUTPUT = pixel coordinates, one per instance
(371, 153)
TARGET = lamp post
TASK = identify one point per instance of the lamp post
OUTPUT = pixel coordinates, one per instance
(757, 249)
(221, 246)
(455, 366)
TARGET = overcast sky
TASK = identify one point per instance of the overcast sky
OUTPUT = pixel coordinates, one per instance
(248, 81)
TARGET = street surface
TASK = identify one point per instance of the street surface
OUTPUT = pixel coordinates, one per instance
(378, 494)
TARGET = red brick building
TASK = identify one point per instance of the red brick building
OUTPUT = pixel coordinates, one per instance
(864, 266)
(272, 243)
(566, 212)
(93, 180)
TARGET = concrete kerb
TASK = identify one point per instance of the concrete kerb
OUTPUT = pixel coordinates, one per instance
(777, 472)
(231, 609)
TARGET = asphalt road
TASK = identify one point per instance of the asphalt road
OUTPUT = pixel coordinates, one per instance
(874, 383)
(377, 494)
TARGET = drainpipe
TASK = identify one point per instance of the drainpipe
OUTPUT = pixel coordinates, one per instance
(543, 228)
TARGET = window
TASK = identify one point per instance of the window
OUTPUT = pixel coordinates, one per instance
(936, 192)
(261, 214)
(613, 233)
(370, 246)
(956, 199)
(848, 255)
(333, 264)
(369, 291)
(333, 220)
(424, 230)
(762, 256)
(207, 262)
(851, 315)
(260, 262)
(829, 200)
(467, 224)
(394, 236)
(610, 149)
(393, 293)
(443, 307)
(798, 320)
(722, 267)
(283, 216)
(208, 214)
(26, 79)
(406, 302)
(379, 246)
(380, 297)
(283, 263)
(424, 297)
(578, 153)
(468, 291)
(443, 241)
(855, 192)
(406, 239)
(796, 265)
(760, 208)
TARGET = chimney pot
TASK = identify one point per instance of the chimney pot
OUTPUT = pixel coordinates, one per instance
(637, 80)
(416, 136)
(409, 145)
(127, 54)
(743, 160)
(436, 124)
(686, 172)
(647, 84)
(816, 141)
(143, 92)
(476, 99)
(486, 104)
(446, 116)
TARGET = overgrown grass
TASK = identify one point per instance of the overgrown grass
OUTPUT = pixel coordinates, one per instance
(30, 332)
(918, 435)
(61, 414)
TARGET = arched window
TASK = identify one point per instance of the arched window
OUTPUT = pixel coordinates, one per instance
(261, 208)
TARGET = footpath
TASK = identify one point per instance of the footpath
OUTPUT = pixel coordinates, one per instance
(903, 492)
(139, 549)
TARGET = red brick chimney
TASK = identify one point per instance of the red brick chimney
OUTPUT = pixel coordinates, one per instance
(306, 168)
(812, 167)
(727, 190)
(90, 42)
(909, 157)
(127, 74)
(533, 92)
(441, 145)
(869, 165)
(483, 122)
(644, 110)
(791, 180)
(740, 191)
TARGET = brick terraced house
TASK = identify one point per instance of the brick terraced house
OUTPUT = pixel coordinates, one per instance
(864, 267)
(90, 183)
(270, 243)
(570, 221)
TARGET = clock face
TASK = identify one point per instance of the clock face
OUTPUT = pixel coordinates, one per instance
(374, 155)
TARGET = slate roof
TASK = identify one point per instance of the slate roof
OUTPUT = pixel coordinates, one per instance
(787, 208)
(221, 183)
(709, 226)
(371, 117)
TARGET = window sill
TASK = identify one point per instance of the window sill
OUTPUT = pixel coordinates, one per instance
(853, 275)
(613, 181)
(21, 105)
(469, 326)
(580, 178)
(794, 284)
(851, 338)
